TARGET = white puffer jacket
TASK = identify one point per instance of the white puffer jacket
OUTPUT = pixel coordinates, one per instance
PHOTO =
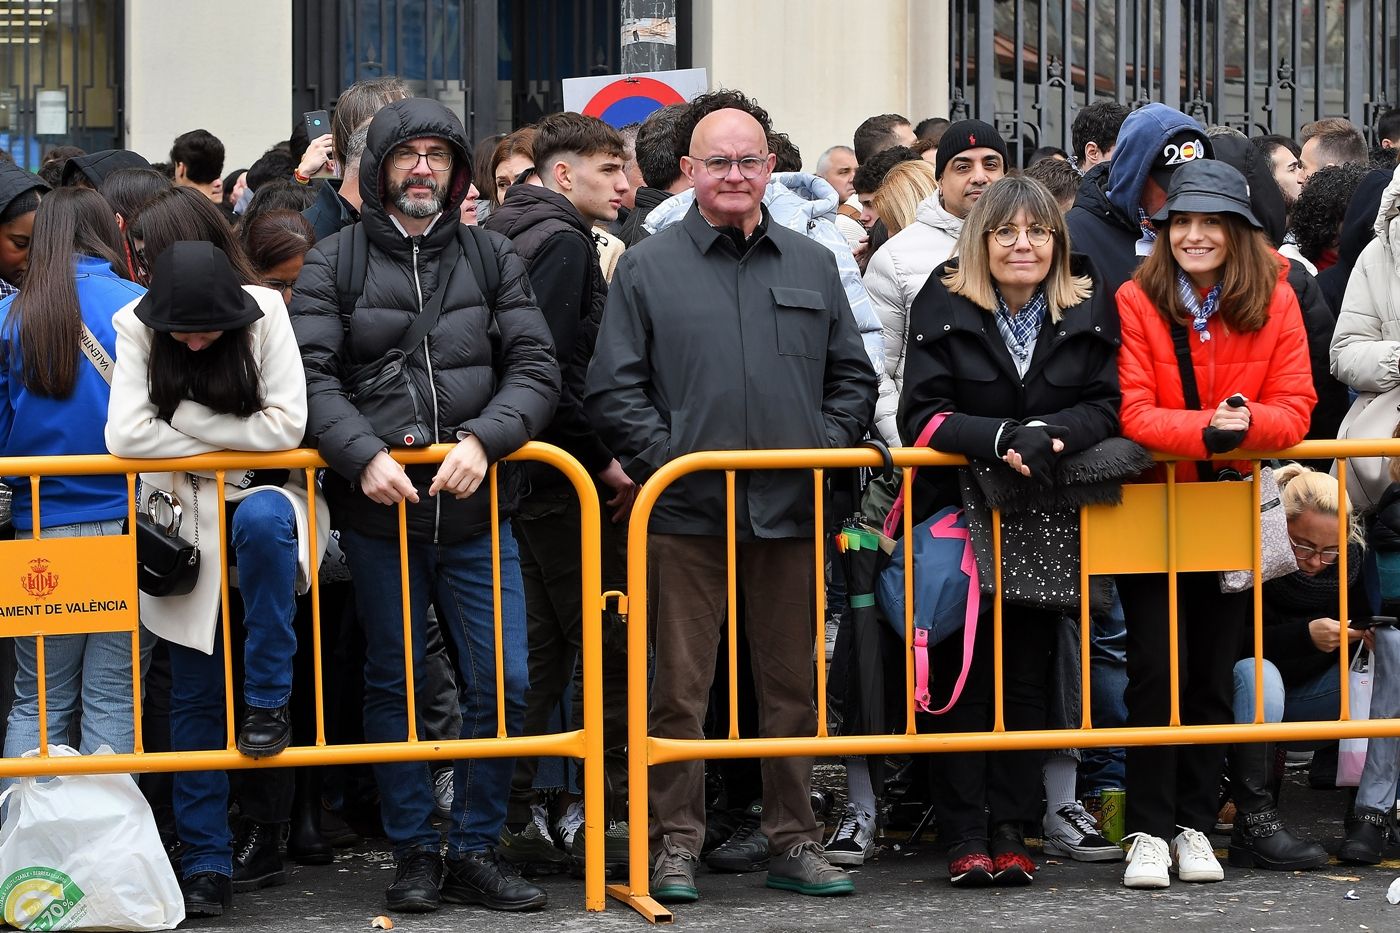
(1366, 343)
(893, 278)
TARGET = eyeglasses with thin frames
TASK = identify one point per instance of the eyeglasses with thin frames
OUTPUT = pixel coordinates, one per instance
(1036, 234)
(406, 160)
(749, 166)
(1305, 552)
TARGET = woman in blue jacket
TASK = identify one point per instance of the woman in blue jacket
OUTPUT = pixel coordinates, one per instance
(53, 401)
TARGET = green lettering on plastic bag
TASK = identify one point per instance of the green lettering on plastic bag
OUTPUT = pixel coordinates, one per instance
(39, 898)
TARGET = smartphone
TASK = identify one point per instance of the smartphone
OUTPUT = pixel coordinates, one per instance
(318, 124)
(1362, 623)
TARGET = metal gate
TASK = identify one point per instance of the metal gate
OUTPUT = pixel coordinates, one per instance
(1261, 66)
(61, 67)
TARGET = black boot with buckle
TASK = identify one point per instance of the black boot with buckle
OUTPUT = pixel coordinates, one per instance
(1366, 838)
(1259, 839)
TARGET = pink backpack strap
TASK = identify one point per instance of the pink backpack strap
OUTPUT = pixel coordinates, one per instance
(945, 529)
(891, 527)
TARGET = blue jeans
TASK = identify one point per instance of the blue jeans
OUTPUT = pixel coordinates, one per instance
(1315, 700)
(457, 579)
(84, 674)
(1376, 790)
(1108, 680)
(263, 531)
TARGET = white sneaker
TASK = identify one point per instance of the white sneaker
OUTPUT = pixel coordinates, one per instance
(854, 839)
(1194, 858)
(442, 793)
(567, 825)
(1148, 862)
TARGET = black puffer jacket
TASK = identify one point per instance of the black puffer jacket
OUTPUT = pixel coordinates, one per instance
(557, 245)
(503, 398)
(1098, 229)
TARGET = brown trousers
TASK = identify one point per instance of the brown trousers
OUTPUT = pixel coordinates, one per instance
(689, 608)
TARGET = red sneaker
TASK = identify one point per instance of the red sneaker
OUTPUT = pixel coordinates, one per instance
(973, 870)
(1012, 869)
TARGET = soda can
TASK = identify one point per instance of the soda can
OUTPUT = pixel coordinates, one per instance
(1113, 801)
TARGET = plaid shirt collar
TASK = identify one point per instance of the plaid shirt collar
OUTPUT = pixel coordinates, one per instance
(6, 289)
(1020, 330)
(1149, 229)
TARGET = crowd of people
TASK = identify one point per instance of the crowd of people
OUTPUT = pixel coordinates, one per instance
(633, 295)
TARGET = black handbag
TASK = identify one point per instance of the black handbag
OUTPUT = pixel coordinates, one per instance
(382, 389)
(166, 564)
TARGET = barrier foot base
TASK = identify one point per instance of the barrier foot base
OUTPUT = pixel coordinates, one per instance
(643, 904)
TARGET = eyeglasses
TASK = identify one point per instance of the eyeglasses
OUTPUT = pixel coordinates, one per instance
(1036, 234)
(1304, 552)
(406, 160)
(749, 166)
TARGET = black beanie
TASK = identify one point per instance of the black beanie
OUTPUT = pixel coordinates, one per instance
(965, 135)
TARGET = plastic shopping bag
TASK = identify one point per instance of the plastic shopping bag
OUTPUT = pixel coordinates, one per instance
(82, 853)
(1351, 754)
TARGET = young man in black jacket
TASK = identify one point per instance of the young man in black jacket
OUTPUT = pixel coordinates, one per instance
(485, 378)
(579, 160)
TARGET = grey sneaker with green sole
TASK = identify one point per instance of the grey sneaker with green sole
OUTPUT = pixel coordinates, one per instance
(804, 869)
(673, 875)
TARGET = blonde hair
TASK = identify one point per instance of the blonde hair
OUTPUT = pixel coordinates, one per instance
(972, 278)
(899, 195)
(1303, 489)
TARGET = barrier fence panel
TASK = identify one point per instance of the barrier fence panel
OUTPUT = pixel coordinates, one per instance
(97, 580)
(1167, 528)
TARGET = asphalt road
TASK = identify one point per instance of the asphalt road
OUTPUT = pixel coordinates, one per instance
(904, 889)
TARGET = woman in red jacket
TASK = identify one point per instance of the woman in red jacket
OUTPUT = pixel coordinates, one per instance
(1214, 289)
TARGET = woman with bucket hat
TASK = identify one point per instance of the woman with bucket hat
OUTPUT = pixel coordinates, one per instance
(1214, 359)
(207, 363)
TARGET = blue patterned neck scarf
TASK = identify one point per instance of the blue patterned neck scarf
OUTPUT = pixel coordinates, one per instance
(7, 289)
(1149, 229)
(1020, 330)
(1201, 310)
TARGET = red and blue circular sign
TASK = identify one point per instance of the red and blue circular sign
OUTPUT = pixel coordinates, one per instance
(631, 100)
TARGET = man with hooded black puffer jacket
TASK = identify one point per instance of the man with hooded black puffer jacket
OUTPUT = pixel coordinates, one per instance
(486, 373)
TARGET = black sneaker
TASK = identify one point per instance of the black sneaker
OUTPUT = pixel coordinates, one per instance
(206, 894)
(417, 887)
(257, 863)
(746, 850)
(481, 878)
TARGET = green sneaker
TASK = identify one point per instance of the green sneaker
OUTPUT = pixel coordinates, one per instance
(532, 851)
(804, 869)
(673, 877)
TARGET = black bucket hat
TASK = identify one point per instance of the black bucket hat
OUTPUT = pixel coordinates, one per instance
(1208, 186)
(194, 290)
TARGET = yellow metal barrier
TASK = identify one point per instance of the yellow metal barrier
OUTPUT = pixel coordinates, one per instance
(585, 743)
(1169, 528)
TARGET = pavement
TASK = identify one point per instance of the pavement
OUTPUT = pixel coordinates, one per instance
(904, 889)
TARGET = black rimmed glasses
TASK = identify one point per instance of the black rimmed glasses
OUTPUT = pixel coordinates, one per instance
(406, 160)
(1327, 555)
(1036, 234)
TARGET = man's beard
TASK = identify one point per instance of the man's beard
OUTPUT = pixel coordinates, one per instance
(414, 207)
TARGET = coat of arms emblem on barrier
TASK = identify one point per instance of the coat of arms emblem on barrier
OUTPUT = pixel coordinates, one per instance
(40, 581)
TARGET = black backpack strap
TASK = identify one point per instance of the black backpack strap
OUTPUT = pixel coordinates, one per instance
(476, 244)
(1181, 342)
(352, 265)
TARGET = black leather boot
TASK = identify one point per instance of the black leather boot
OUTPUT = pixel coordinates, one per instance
(257, 862)
(207, 894)
(306, 843)
(265, 732)
(1259, 839)
(1366, 837)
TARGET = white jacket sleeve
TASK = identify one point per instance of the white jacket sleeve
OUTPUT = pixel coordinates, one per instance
(134, 429)
(883, 285)
(1361, 356)
(281, 423)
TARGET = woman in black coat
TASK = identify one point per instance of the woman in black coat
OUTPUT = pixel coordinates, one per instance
(1017, 344)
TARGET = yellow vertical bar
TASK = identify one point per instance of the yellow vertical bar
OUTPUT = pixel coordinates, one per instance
(313, 550)
(819, 541)
(496, 604)
(590, 562)
(138, 739)
(1172, 627)
(906, 492)
(1343, 535)
(230, 725)
(42, 682)
(410, 690)
(1258, 592)
(1085, 623)
(731, 575)
(638, 613)
(999, 723)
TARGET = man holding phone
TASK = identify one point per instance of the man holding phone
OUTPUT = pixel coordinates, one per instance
(338, 200)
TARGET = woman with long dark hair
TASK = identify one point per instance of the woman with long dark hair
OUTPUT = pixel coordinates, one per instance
(1215, 286)
(185, 214)
(207, 361)
(54, 402)
(127, 191)
(19, 198)
(277, 243)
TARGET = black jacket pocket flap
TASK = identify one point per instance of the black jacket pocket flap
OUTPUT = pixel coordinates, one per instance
(797, 298)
